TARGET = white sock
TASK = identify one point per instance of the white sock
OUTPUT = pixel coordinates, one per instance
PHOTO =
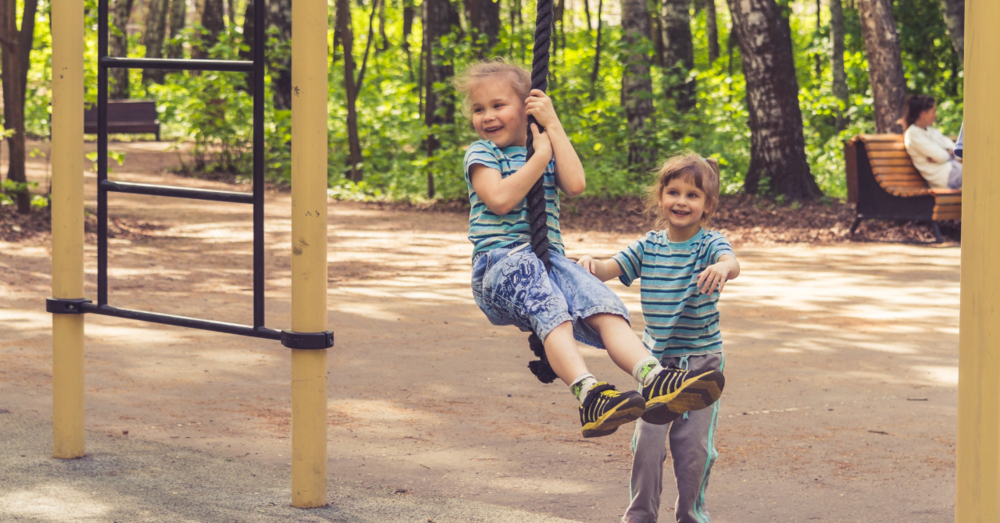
(646, 370)
(582, 385)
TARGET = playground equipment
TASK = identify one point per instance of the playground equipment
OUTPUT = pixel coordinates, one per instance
(978, 463)
(308, 337)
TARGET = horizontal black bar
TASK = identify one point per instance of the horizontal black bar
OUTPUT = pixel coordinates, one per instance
(182, 321)
(114, 62)
(176, 192)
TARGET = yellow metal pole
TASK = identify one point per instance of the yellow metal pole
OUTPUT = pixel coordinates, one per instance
(309, 158)
(67, 226)
(978, 467)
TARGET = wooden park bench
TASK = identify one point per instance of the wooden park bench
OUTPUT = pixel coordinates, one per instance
(884, 185)
(125, 117)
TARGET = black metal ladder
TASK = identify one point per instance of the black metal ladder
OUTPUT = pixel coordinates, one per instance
(256, 198)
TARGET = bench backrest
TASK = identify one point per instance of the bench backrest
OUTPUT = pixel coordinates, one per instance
(124, 111)
(891, 165)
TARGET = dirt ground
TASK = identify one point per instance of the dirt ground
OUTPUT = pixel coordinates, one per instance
(841, 369)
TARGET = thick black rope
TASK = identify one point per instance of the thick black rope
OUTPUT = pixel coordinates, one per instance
(537, 216)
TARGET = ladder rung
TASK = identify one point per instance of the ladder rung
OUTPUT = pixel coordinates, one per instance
(176, 192)
(182, 321)
(114, 62)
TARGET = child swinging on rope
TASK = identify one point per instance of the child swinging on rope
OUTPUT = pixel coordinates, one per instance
(510, 283)
(683, 269)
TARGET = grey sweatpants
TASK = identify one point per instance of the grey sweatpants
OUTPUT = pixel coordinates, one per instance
(692, 446)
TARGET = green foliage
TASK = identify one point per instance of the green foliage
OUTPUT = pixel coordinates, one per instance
(213, 111)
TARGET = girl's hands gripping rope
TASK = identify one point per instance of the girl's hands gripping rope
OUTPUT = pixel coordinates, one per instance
(539, 105)
(541, 143)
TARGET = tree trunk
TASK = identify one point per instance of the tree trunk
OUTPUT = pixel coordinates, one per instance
(484, 19)
(954, 19)
(678, 52)
(777, 147)
(178, 14)
(213, 19)
(347, 40)
(438, 110)
(156, 31)
(15, 57)
(279, 16)
(637, 86)
(885, 67)
(837, 60)
(231, 11)
(712, 31)
(408, 13)
(381, 26)
(595, 72)
(248, 33)
(586, 14)
(118, 46)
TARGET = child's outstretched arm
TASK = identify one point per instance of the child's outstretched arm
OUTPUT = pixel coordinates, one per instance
(569, 170)
(501, 194)
(604, 270)
(715, 276)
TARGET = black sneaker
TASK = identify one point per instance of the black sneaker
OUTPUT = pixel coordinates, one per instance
(605, 409)
(676, 391)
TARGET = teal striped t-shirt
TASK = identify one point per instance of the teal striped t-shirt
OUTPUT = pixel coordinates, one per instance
(488, 230)
(679, 319)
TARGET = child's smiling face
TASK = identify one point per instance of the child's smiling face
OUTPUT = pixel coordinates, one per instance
(683, 204)
(498, 114)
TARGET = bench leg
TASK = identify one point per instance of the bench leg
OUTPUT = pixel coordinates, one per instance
(854, 226)
(937, 232)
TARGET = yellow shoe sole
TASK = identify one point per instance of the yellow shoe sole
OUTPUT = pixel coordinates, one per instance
(610, 421)
(695, 393)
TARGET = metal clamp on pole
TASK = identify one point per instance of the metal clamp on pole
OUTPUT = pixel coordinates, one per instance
(307, 340)
(70, 306)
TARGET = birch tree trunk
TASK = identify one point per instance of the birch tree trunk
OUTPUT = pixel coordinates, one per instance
(637, 85)
(777, 147)
(15, 58)
(885, 67)
(279, 16)
(438, 17)
(156, 31)
(712, 31)
(678, 52)
(118, 46)
(837, 60)
(178, 14)
(953, 12)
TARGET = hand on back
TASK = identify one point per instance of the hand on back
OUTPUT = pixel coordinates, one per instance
(589, 263)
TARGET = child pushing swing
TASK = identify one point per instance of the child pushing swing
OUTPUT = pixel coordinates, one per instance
(567, 303)
(683, 268)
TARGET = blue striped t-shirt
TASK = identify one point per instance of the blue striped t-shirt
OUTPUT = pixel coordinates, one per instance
(679, 319)
(488, 230)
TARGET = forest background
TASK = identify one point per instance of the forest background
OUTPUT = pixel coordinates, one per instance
(633, 81)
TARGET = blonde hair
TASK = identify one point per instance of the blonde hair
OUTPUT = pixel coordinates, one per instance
(517, 78)
(703, 172)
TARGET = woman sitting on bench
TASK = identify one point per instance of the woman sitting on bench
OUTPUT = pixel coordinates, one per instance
(932, 153)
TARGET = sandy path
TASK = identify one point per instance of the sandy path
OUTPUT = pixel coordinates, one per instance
(841, 365)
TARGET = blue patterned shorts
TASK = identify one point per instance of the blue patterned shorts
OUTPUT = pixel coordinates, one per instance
(512, 287)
